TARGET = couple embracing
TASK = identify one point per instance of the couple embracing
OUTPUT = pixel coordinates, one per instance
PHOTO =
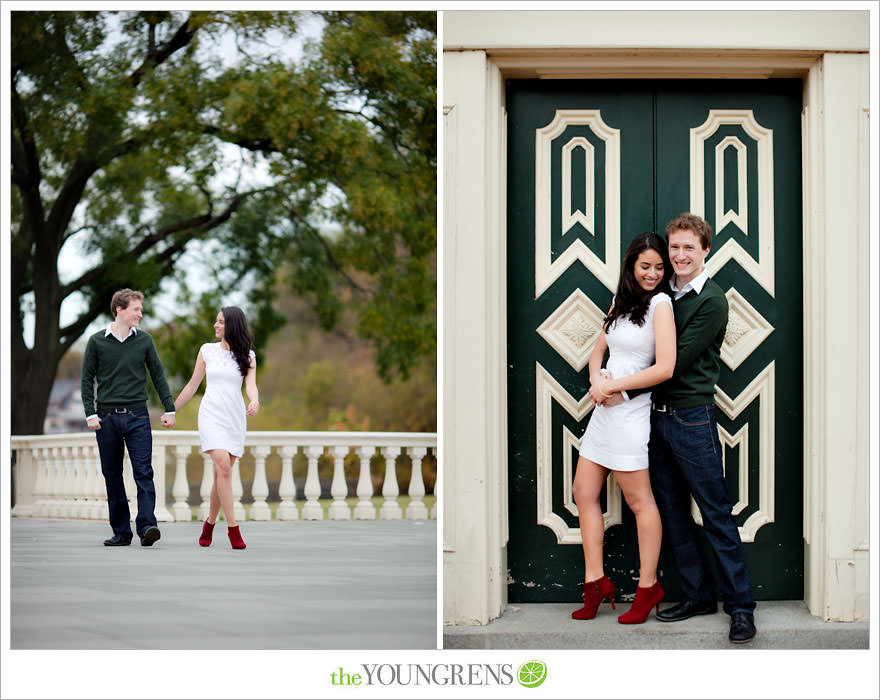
(114, 395)
(654, 427)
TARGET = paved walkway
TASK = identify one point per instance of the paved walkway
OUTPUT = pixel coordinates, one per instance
(781, 625)
(298, 585)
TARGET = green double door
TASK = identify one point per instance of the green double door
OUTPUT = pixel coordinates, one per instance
(591, 164)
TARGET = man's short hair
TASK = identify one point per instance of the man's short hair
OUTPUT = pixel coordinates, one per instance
(122, 298)
(691, 222)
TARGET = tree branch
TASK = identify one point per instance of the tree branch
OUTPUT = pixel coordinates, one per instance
(158, 56)
(202, 224)
(63, 50)
(328, 252)
(69, 196)
(70, 334)
(26, 173)
(264, 145)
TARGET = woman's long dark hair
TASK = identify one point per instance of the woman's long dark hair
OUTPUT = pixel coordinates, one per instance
(631, 299)
(238, 336)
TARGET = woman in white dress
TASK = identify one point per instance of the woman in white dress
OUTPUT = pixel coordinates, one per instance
(639, 332)
(222, 420)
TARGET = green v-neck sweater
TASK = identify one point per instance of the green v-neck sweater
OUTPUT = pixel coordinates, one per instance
(700, 325)
(120, 369)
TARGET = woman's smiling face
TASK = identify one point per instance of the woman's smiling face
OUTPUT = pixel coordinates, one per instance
(648, 269)
(220, 326)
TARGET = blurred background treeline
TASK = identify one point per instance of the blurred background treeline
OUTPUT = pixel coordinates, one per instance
(308, 378)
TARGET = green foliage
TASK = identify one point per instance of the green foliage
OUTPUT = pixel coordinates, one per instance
(133, 133)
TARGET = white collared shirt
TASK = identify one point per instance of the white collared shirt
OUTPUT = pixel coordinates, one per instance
(110, 331)
(697, 284)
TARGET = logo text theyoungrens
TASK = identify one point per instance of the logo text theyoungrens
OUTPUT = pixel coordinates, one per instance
(426, 674)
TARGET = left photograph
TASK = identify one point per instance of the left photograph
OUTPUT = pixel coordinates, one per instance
(223, 279)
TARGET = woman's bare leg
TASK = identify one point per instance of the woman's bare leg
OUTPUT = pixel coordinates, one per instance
(636, 487)
(221, 492)
(586, 489)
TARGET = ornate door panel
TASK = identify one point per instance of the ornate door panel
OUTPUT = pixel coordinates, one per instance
(591, 165)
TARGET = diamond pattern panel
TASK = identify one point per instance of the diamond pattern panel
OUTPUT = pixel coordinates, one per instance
(746, 330)
(573, 329)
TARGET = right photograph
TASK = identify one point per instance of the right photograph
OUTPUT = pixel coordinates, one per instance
(656, 329)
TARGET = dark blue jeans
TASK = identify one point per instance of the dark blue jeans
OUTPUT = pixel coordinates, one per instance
(685, 459)
(132, 430)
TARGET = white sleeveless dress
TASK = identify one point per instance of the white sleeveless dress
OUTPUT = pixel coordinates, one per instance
(222, 413)
(617, 436)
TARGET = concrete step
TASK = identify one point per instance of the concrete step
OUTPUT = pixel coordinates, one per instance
(781, 625)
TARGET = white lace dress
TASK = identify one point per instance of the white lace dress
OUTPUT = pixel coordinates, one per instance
(617, 436)
(222, 413)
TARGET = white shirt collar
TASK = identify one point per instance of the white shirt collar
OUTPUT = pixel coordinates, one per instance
(697, 284)
(109, 331)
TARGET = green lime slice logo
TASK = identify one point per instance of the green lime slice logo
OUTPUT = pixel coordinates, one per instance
(532, 673)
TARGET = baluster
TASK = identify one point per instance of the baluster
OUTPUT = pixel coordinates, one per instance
(260, 489)
(160, 476)
(66, 509)
(416, 510)
(206, 486)
(88, 483)
(436, 491)
(180, 488)
(390, 509)
(89, 451)
(42, 457)
(58, 503)
(97, 489)
(287, 488)
(312, 510)
(339, 509)
(237, 491)
(365, 510)
(80, 507)
(56, 478)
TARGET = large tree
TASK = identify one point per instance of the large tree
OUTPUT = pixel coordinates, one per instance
(137, 137)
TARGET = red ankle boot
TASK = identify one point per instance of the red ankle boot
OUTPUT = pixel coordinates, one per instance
(235, 538)
(594, 593)
(207, 534)
(646, 598)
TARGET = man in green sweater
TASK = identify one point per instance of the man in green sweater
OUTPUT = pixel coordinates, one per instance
(115, 364)
(684, 451)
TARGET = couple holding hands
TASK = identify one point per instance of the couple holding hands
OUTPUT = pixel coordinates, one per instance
(114, 395)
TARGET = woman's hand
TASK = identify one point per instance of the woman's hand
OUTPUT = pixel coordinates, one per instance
(609, 386)
(253, 407)
(599, 392)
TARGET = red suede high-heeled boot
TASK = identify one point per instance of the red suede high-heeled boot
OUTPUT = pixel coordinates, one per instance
(235, 538)
(646, 598)
(207, 534)
(594, 593)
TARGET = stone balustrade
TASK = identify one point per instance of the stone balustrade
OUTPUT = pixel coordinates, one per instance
(59, 476)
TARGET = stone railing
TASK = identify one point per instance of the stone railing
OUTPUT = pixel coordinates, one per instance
(59, 476)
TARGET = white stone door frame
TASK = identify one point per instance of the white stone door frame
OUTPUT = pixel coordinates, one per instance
(836, 335)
